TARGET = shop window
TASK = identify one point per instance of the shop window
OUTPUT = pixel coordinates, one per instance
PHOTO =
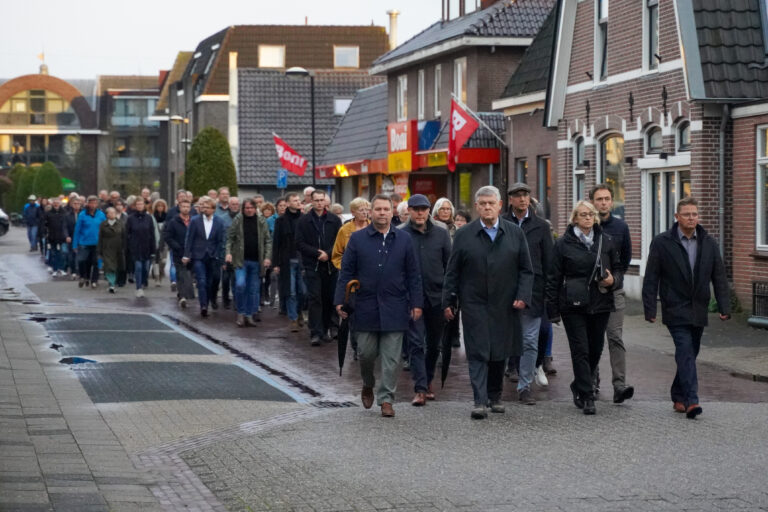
(684, 137)
(612, 171)
(654, 141)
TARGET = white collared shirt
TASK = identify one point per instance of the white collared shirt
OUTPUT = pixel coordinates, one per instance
(208, 223)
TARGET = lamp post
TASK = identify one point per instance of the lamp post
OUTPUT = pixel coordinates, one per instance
(301, 72)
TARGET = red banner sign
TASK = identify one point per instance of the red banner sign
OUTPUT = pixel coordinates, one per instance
(461, 129)
(290, 160)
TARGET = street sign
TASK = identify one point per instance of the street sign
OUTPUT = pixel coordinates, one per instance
(282, 178)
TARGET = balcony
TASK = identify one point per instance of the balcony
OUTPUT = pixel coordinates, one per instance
(127, 161)
(133, 121)
(62, 119)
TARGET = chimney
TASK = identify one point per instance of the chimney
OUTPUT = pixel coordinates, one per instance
(393, 13)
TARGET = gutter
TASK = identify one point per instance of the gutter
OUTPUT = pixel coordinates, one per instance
(721, 180)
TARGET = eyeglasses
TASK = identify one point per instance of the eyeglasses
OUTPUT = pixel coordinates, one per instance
(586, 214)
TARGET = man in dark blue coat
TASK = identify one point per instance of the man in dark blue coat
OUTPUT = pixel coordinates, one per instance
(140, 236)
(175, 236)
(203, 247)
(681, 264)
(383, 259)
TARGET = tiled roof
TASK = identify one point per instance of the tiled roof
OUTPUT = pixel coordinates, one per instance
(482, 138)
(86, 86)
(174, 75)
(308, 46)
(733, 59)
(128, 82)
(532, 74)
(271, 102)
(362, 133)
(521, 18)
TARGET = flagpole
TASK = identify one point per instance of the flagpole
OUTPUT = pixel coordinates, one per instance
(477, 118)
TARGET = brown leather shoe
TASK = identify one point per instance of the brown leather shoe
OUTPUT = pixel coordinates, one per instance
(367, 397)
(430, 394)
(419, 399)
(679, 407)
(387, 411)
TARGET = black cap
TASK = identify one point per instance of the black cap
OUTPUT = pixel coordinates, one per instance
(517, 187)
(418, 201)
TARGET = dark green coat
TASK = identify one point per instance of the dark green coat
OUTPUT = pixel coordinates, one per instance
(236, 246)
(111, 246)
(488, 277)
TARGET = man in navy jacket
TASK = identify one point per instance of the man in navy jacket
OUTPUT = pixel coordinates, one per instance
(383, 259)
(203, 247)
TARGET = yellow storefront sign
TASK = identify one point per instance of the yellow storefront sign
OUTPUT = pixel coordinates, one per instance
(401, 161)
(439, 159)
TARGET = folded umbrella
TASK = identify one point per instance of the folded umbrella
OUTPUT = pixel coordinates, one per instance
(349, 308)
(446, 341)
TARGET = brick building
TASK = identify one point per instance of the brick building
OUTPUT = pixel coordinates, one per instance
(642, 96)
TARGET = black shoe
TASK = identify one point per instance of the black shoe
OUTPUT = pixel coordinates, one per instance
(256, 317)
(214, 305)
(204, 312)
(227, 304)
(589, 406)
(577, 400)
(315, 341)
(526, 397)
(619, 395)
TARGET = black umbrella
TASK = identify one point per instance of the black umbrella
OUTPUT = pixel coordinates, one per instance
(348, 308)
(446, 342)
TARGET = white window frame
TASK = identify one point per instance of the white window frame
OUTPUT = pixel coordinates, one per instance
(600, 174)
(579, 172)
(402, 98)
(438, 86)
(597, 76)
(347, 47)
(460, 78)
(678, 129)
(647, 191)
(761, 174)
(647, 57)
(420, 96)
(271, 47)
(647, 140)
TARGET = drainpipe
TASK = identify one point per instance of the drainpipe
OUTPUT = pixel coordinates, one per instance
(721, 181)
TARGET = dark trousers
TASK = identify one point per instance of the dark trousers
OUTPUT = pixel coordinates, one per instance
(545, 340)
(183, 280)
(321, 285)
(424, 346)
(227, 283)
(487, 379)
(586, 335)
(284, 287)
(206, 273)
(685, 387)
(88, 263)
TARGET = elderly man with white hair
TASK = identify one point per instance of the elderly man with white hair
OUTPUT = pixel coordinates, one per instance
(490, 275)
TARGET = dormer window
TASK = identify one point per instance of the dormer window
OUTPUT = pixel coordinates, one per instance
(684, 137)
(654, 140)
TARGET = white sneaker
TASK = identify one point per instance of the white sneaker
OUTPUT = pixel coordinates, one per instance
(183, 302)
(139, 293)
(541, 377)
(50, 270)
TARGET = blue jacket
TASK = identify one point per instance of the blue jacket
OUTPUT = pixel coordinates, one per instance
(32, 213)
(389, 275)
(87, 228)
(197, 247)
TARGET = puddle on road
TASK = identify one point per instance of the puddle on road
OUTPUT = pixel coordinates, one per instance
(55, 346)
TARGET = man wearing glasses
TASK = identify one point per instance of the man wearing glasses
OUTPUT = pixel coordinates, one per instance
(681, 264)
(203, 247)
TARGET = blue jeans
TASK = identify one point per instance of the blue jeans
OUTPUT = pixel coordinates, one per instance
(685, 387)
(297, 290)
(58, 252)
(32, 237)
(531, 325)
(247, 287)
(141, 273)
(173, 271)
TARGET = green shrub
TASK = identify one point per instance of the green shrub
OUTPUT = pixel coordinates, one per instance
(9, 199)
(48, 181)
(209, 163)
(26, 185)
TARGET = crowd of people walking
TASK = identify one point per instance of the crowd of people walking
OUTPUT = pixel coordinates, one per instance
(424, 273)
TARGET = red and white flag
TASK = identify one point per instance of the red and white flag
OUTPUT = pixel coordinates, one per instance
(462, 127)
(290, 160)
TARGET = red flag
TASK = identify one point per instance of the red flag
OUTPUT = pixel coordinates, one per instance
(289, 159)
(462, 127)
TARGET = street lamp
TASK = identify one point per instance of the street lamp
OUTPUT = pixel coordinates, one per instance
(300, 72)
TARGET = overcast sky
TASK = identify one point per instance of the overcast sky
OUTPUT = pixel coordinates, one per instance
(86, 38)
